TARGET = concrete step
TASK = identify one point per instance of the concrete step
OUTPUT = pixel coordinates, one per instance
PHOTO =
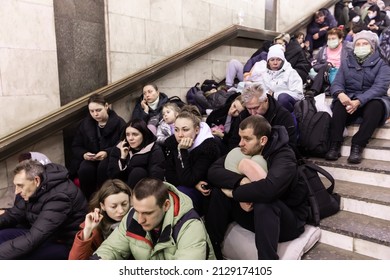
(322, 251)
(382, 132)
(369, 172)
(364, 199)
(357, 233)
(377, 149)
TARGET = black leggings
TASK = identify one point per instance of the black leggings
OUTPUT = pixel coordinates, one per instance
(371, 115)
(92, 175)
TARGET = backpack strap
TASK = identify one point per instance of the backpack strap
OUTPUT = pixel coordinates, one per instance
(192, 214)
(314, 209)
(325, 173)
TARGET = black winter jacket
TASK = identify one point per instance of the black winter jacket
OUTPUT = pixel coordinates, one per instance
(275, 115)
(218, 117)
(297, 58)
(281, 181)
(148, 162)
(154, 116)
(87, 138)
(382, 21)
(54, 212)
(195, 163)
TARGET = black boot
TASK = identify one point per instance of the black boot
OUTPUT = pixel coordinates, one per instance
(334, 151)
(355, 156)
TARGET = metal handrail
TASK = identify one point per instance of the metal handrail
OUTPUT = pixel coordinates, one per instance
(76, 110)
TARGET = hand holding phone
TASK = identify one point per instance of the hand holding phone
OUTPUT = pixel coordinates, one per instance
(125, 143)
(124, 148)
(204, 188)
(89, 156)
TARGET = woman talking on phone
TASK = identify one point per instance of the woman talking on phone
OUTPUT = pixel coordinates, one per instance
(97, 134)
(107, 208)
(137, 155)
(149, 106)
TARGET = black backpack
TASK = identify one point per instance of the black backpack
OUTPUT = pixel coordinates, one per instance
(177, 100)
(190, 96)
(313, 128)
(322, 200)
(208, 85)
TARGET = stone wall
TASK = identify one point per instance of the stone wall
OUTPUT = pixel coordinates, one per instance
(137, 34)
(291, 11)
(29, 85)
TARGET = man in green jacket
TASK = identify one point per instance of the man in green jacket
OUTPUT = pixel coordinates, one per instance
(162, 225)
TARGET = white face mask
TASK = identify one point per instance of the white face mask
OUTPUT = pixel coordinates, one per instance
(333, 43)
(362, 51)
(371, 15)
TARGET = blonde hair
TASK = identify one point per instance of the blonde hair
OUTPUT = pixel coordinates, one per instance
(191, 112)
(240, 99)
(173, 106)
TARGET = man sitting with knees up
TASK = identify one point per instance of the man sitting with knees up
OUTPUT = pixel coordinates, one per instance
(274, 207)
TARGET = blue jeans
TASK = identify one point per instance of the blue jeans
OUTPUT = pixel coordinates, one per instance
(287, 101)
(196, 197)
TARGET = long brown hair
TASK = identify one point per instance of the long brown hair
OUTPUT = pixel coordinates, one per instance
(109, 187)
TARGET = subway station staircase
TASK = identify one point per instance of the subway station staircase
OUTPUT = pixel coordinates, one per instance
(361, 230)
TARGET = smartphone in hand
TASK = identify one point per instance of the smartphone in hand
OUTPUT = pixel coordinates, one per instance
(125, 143)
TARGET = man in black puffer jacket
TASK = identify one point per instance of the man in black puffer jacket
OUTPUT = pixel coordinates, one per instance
(275, 207)
(44, 220)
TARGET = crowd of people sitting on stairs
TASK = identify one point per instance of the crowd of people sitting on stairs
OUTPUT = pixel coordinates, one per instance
(140, 181)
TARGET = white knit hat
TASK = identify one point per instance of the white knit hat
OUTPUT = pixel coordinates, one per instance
(276, 51)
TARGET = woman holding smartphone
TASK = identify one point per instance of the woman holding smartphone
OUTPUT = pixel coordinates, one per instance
(136, 156)
(97, 134)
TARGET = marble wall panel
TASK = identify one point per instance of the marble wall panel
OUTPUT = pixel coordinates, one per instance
(166, 11)
(29, 72)
(124, 64)
(127, 34)
(19, 111)
(196, 14)
(166, 43)
(33, 23)
(132, 8)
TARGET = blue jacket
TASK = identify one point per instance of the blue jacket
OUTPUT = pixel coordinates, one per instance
(314, 27)
(252, 61)
(364, 82)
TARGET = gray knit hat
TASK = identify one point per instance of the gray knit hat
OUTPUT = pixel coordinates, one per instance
(370, 36)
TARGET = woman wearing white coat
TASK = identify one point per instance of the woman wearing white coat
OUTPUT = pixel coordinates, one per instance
(278, 78)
